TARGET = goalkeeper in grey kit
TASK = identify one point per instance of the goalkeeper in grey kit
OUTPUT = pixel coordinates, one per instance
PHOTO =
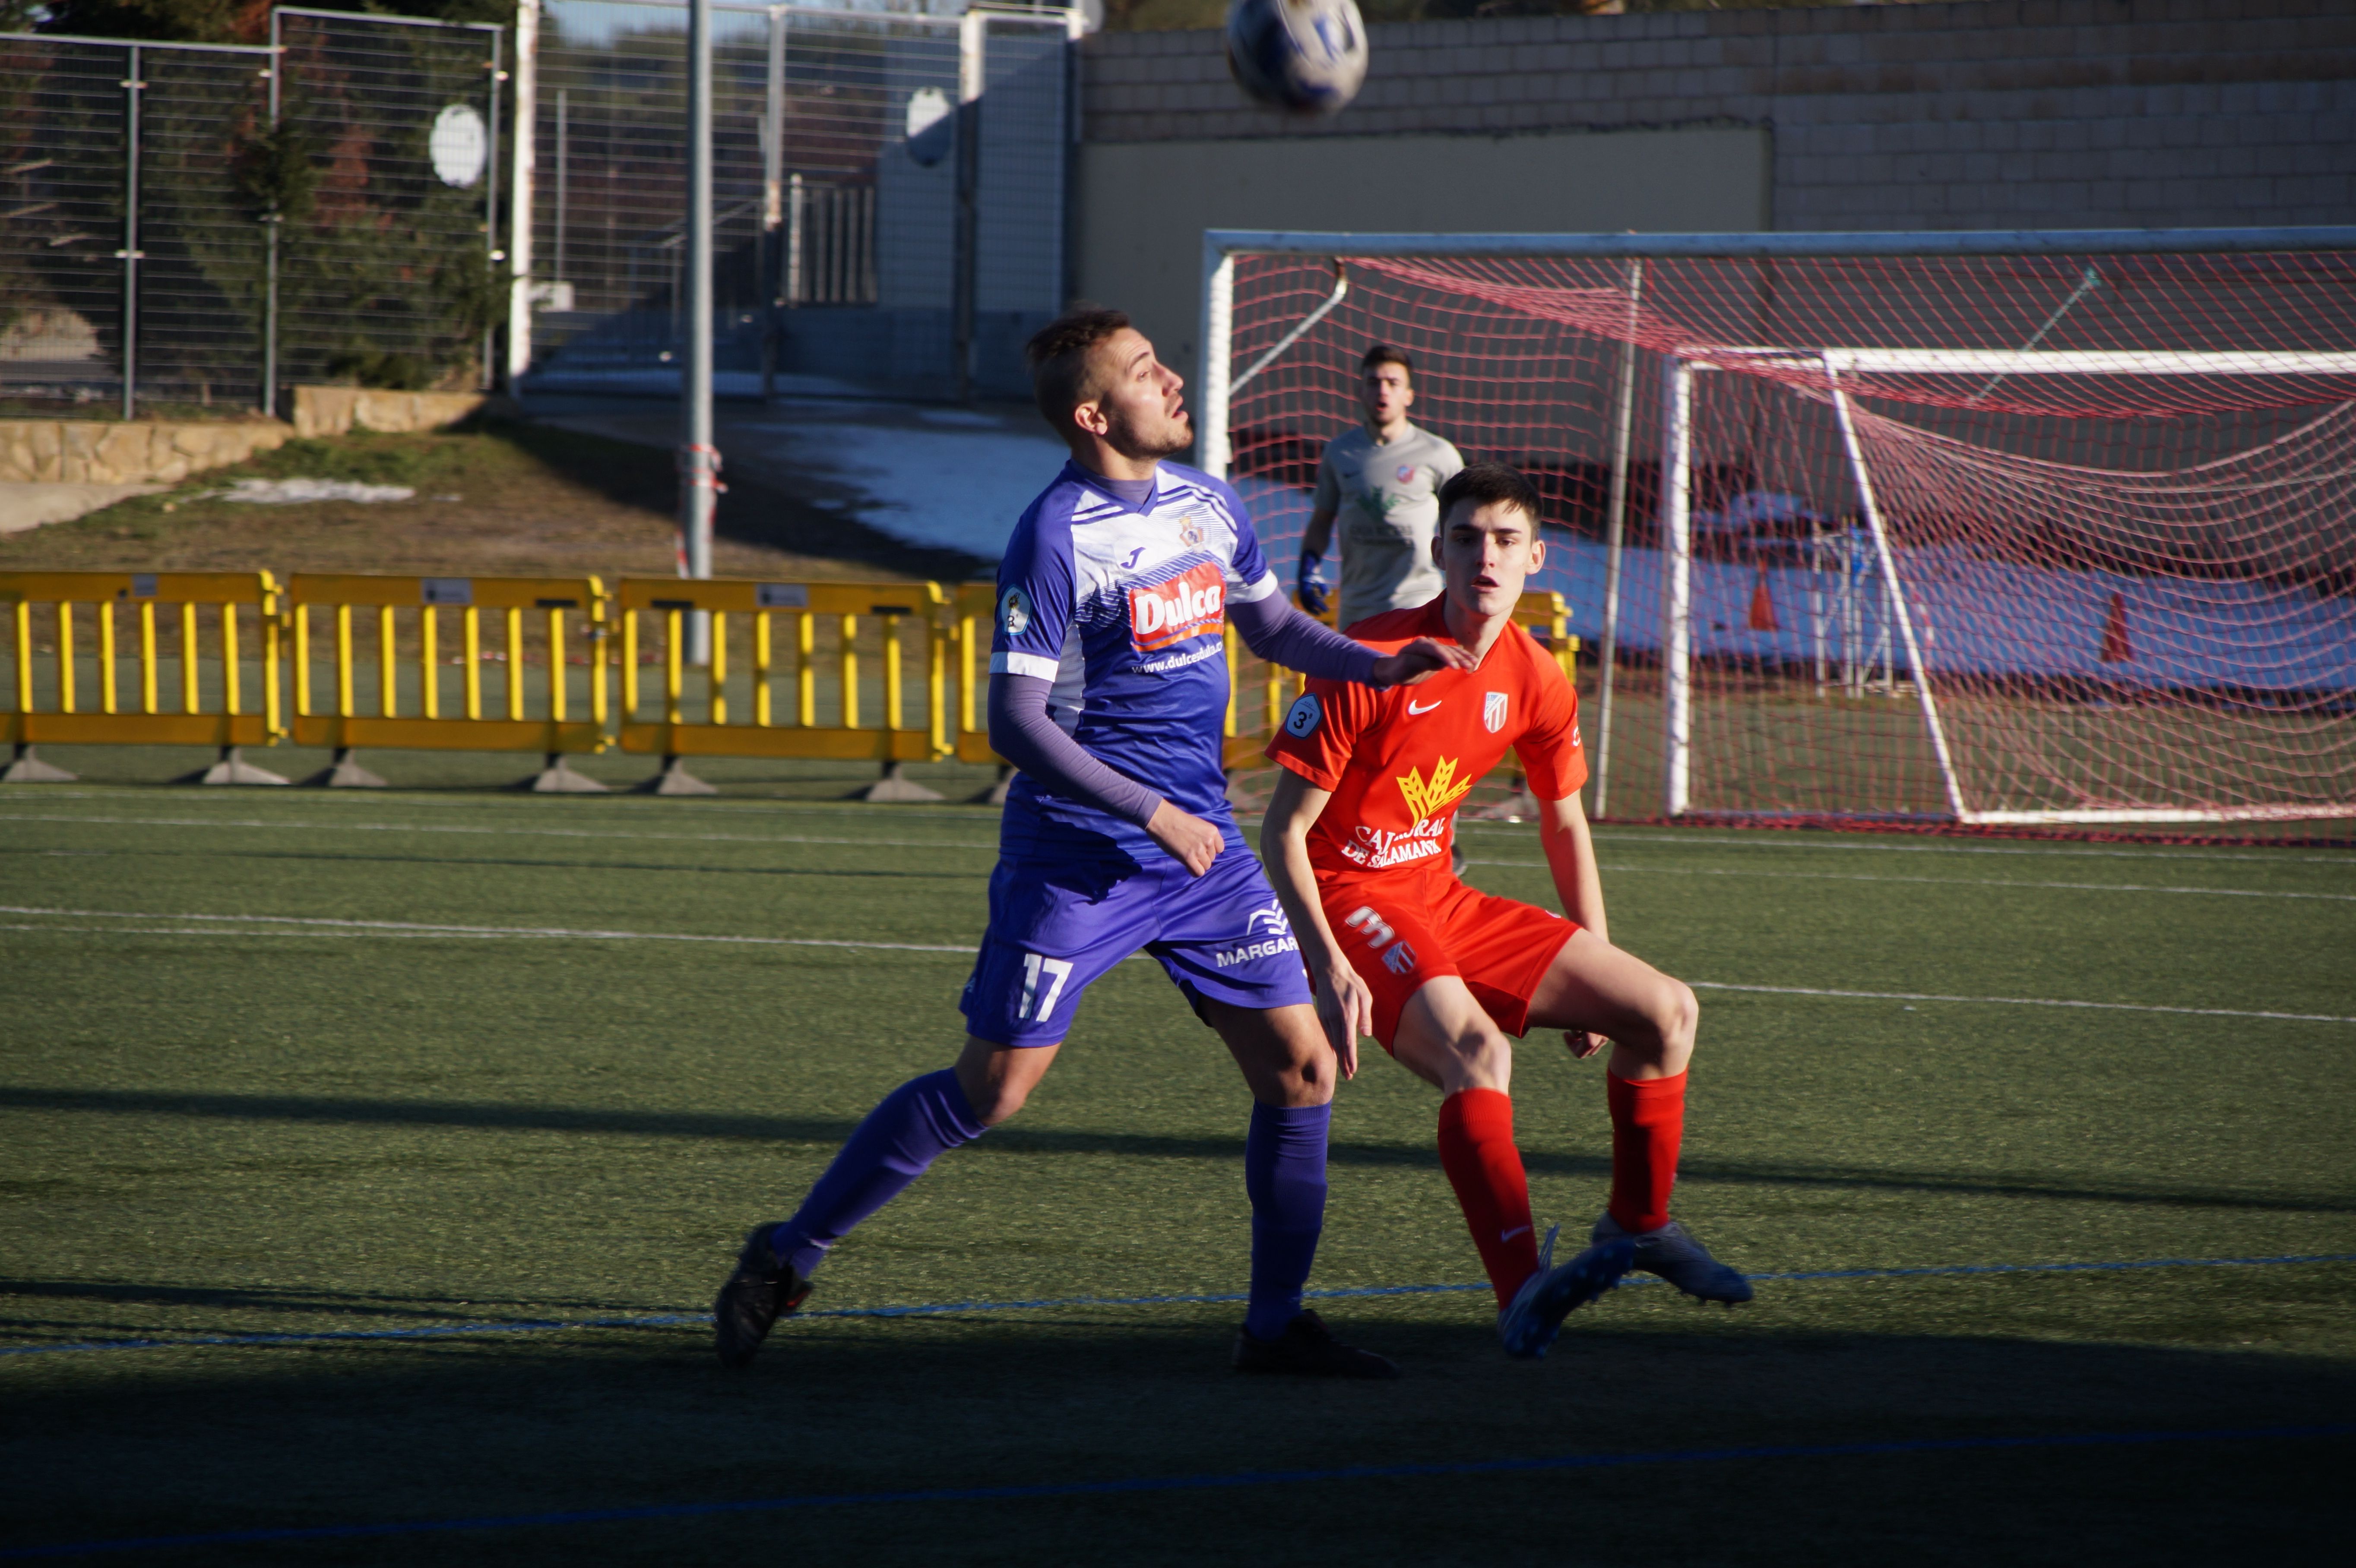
(1380, 484)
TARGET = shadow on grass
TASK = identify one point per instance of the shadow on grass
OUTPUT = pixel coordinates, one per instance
(865, 1414)
(1016, 1140)
(750, 511)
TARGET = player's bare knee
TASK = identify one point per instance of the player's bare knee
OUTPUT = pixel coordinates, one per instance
(1680, 1016)
(1484, 1057)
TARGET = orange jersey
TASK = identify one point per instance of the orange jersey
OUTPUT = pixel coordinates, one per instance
(1398, 762)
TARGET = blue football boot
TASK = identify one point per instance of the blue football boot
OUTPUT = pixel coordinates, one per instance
(1677, 1257)
(1529, 1327)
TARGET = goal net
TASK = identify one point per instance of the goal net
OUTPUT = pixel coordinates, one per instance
(2020, 530)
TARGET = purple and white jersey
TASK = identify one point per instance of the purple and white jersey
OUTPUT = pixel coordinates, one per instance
(1124, 608)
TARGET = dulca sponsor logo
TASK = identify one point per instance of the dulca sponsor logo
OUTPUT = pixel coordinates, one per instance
(1186, 606)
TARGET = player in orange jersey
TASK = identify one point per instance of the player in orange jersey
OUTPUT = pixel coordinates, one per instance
(1356, 844)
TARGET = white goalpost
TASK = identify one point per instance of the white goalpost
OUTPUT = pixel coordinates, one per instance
(2183, 466)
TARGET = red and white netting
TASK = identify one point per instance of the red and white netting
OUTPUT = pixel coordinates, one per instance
(2111, 533)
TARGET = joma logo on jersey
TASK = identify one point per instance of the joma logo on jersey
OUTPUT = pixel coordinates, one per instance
(1444, 790)
(1186, 606)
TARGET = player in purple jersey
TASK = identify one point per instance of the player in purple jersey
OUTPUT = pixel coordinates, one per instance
(1109, 691)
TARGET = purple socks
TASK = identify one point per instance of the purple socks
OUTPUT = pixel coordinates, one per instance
(1284, 1173)
(916, 1123)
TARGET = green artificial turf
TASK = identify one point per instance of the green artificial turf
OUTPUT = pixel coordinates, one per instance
(228, 1128)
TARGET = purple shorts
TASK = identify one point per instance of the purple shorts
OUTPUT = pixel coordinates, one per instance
(1058, 924)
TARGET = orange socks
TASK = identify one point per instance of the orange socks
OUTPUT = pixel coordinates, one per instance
(1648, 1123)
(1476, 1150)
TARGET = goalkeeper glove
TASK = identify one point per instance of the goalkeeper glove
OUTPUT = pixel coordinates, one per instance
(1310, 582)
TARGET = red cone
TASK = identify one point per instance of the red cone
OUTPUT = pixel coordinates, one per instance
(1763, 608)
(2115, 647)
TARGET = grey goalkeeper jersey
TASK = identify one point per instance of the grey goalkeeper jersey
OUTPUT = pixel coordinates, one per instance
(1387, 507)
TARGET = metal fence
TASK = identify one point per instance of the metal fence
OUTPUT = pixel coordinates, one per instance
(890, 190)
(185, 226)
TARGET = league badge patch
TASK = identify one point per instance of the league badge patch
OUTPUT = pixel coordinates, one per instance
(1015, 613)
(1301, 720)
(1493, 710)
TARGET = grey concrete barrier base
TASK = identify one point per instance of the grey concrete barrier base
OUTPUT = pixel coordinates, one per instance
(234, 769)
(895, 787)
(344, 773)
(674, 779)
(557, 777)
(27, 768)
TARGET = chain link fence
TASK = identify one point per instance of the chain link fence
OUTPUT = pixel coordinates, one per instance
(183, 226)
(890, 191)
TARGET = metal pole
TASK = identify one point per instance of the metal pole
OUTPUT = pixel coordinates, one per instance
(1218, 342)
(563, 173)
(972, 31)
(521, 199)
(699, 463)
(492, 253)
(773, 198)
(130, 251)
(1615, 535)
(273, 222)
(1677, 534)
(1872, 509)
(796, 205)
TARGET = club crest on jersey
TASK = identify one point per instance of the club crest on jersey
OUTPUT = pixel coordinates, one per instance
(1188, 606)
(1190, 532)
(1407, 472)
(1427, 798)
(1015, 613)
(1493, 710)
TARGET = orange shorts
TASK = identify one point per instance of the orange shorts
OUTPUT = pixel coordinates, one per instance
(1399, 933)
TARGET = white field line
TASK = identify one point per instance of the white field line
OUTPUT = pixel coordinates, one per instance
(583, 833)
(1938, 881)
(340, 800)
(495, 832)
(296, 926)
(221, 924)
(1690, 838)
(2018, 1002)
(1768, 839)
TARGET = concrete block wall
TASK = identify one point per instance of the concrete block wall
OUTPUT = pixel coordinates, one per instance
(144, 452)
(2007, 113)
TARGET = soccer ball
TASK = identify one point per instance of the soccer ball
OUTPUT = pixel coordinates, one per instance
(1306, 55)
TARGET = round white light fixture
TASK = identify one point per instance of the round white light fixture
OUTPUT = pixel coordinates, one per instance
(461, 145)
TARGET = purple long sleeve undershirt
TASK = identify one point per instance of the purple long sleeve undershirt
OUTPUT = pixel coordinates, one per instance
(1023, 733)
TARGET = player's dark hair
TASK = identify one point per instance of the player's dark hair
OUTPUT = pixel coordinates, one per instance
(1489, 485)
(1058, 354)
(1383, 354)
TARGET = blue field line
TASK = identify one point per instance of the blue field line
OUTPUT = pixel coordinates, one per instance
(1046, 1303)
(1134, 1485)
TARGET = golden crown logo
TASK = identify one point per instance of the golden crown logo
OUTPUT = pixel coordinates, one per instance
(1425, 800)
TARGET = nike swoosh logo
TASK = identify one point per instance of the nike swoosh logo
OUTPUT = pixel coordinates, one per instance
(1411, 708)
(1516, 1231)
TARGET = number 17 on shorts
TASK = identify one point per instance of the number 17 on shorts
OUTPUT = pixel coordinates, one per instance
(1042, 982)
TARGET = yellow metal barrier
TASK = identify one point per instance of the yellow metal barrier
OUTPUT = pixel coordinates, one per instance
(147, 610)
(1545, 614)
(662, 609)
(973, 611)
(532, 715)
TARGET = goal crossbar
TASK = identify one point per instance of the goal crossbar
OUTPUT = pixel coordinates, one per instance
(2030, 361)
